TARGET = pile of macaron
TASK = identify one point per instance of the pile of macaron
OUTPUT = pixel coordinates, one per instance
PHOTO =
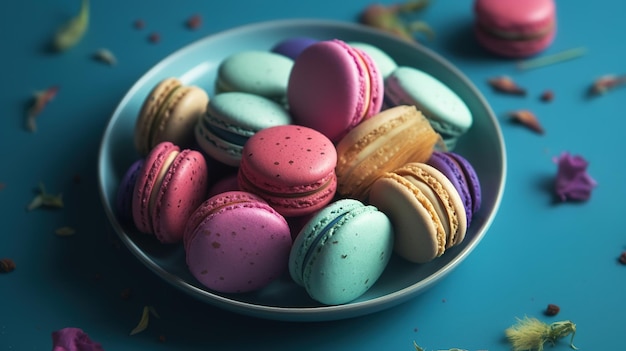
(315, 159)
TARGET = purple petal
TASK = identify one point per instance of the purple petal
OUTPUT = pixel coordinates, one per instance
(572, 180)
(73, 339)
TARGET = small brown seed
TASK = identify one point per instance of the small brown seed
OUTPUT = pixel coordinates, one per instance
(547, 96)
(6, 265)
(622, 258)
(552, 310)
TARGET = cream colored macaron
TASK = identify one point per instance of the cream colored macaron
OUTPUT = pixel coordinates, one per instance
(425, 208)
(169, 113)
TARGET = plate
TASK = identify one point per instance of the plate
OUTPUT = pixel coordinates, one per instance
(197, 63)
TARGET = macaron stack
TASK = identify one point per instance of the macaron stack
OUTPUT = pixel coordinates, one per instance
(315, 161)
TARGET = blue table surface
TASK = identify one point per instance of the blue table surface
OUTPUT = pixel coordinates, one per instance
(535, 253)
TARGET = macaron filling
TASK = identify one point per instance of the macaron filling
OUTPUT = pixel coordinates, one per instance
(224, 133)
(517, 36)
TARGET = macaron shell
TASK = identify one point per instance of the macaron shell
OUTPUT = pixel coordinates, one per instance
(472, 179)
(450, 168)
(124, 196)
(293, 47)
(178, 119)
(445, 110)
(381, 144)
(183, 189)
(331, 88)
(515, 17)
(240, 247)
(292, 167)
(256, 72)
(146, 181)
(419, 233)
(385, 63)
(147, 114)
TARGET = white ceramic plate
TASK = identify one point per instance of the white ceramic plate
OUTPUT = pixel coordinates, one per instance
(196, 64)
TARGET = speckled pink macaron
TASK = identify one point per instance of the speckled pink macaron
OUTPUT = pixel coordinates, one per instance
(291, 167)
(235, 242)
(333, 87)
(170, 186)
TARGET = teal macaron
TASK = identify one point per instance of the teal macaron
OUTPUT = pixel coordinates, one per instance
(261, 73)
(341, 251)
(231, 118)
(445, 110)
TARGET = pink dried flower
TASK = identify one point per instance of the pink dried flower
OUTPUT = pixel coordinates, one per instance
(572, 180)
(73, 339)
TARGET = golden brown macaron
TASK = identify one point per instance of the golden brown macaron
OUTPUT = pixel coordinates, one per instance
(169, 113)
(381, 144)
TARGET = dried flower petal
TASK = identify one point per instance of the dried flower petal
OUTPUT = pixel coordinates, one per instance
(389, 19)
(606, 83)
(65, 231)
(572, 180)
(505, 84)
(154, 37)
(105, 56)
(71, 32)
(145, 318)
(559, 57)
(531, 334)
(527, 119)
(73, 339)
(622, 258)
(40, 100)
(45, 199)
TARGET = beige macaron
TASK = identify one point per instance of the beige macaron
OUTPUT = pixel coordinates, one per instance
(380, 144)
(425, 208)
(169, 113)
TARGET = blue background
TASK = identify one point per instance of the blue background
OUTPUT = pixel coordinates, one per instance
(536, 252)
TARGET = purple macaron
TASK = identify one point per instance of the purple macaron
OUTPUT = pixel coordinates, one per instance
(462, 175)
(124, 197)
(292, 47)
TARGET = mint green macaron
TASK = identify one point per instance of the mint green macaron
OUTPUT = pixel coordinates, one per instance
(231, 118)
(445, 110)
(341, 251)
(261, 73)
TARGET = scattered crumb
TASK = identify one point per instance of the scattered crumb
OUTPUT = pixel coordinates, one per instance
(547, 96)
(552, 310)
(194, 22)
(139, 24)
(154, 37)
(622, 258)
(7, 265)
(65, 231)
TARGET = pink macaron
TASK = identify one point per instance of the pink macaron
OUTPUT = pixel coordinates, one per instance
(291, 167)
(169, 187)
(514, 28)
(235, 242)
(333, 87)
